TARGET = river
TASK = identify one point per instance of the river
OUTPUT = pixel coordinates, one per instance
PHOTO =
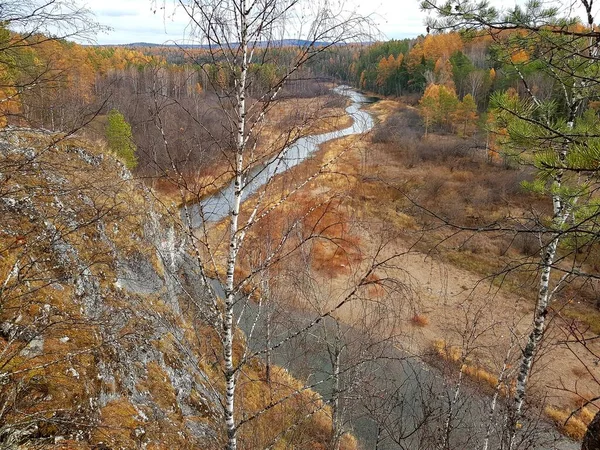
(217, 206)
(418, 387)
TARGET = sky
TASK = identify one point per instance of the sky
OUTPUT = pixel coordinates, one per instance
(145, 21)
(135, 21)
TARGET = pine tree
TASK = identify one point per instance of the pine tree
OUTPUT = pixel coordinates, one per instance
(120, 141)
(559, 137)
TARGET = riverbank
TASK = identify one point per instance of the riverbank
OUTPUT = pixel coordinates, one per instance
(357, 201)
(448, 302)
(286, 121)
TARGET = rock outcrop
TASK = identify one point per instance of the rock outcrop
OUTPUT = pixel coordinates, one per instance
(95, 351)
(105, 340)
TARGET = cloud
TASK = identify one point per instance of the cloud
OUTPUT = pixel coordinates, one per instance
(116, 12)
(137, 20)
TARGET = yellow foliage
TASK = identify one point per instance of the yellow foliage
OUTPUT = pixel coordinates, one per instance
(519, 56)
(575, 427)
(436, 46)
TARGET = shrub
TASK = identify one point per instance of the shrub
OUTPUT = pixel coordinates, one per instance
(572, 426)
(420, 320)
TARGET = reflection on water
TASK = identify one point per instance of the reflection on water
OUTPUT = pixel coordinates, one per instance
(217, 206)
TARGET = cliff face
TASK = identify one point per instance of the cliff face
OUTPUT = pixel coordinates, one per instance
(94, 348)
(104, 341)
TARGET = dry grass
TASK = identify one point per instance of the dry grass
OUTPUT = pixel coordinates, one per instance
(573, 426)
(587, 316)
(454, 354)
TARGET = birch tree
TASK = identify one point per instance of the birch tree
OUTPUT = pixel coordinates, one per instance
(557, 136)
(239, 34)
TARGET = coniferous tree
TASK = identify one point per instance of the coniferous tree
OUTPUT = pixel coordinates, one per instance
(120, 141)
(557, 136)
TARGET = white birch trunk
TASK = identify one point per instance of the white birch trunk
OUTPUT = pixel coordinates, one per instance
(494, 402)
(448, 423)
(561, 211)
(234, 241)
(539, 325)
(335, 399)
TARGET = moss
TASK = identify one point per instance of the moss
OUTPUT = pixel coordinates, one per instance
(198, 402)
(118, 425)
(168, 347)
(161, 390)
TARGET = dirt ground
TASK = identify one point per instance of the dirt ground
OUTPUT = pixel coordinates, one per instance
(450, 304)
(444, 304)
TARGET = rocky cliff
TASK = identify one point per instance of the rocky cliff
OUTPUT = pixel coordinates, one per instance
(102, 342)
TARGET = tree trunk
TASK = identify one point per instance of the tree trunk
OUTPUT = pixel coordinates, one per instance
(591, 440)
(451, 409)
(335, 399)
(539, 325)
(234, 238)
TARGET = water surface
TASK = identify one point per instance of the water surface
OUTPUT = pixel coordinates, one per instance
(218, 206)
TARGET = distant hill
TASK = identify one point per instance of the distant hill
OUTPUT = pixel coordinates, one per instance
(261, 44)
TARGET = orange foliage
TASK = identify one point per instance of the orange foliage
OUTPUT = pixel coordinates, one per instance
(420, 320)
(520, 56)
(434, 47)
(438, 106)
(386, 68)
(374, 289)
(441, 45)
(335, 249)
(443, 72)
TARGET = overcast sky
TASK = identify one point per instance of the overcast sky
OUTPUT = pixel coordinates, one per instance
(136, 21)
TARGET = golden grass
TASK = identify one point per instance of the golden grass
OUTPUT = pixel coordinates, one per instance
(575, 427)
(454, 354)
(118, 424)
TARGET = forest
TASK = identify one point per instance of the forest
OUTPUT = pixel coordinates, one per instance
(333, 242)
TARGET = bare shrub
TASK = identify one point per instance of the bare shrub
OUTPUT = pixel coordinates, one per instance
(527, 243)
(402, 128)
(411, 99)
(505, 184)
(420, 320)
(478, 244)
(335, 101)
(304, 88)
(441, 150)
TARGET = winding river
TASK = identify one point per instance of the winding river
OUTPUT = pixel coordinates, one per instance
(409, 375)
(217, 206)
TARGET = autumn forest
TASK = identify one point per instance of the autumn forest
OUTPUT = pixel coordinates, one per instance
(339, 241)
